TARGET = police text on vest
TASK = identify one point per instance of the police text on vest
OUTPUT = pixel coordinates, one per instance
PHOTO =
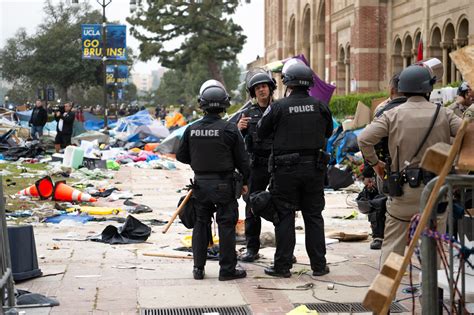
(204, 133)
(301, 109)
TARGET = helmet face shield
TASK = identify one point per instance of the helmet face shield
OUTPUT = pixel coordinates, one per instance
(213, 94)
(435, 66)
(289, 63)
(296, 73)
(210, 83)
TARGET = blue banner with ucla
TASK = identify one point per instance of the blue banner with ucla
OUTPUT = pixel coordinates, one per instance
(92, 42)
(117, 72)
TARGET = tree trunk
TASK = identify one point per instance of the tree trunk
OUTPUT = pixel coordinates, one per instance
(63, 94)
(215, 70)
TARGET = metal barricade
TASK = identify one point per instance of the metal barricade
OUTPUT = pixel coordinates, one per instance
(7, 293)
(432, 292)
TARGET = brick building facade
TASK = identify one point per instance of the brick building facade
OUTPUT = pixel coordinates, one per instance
(358, 44)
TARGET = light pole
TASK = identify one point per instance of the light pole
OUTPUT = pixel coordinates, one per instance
(5, 104)
(104, 4)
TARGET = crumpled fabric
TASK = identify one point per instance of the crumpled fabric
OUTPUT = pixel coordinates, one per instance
(131, 232)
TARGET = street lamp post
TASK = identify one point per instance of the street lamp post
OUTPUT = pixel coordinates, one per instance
(5, 104)
(104, 4)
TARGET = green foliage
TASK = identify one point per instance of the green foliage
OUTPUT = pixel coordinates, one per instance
(455, 84)
(233, 108)
(182, 87)
(345, 105)
(211, 38)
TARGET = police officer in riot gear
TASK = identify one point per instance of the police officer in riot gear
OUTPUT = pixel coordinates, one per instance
(411, 128)
(215, 149)
(300, 125)
(463, 100)
(260, 87)
(377, 200)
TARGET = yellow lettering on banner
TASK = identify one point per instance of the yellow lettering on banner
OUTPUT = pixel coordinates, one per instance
(91, 43)
(115, 51)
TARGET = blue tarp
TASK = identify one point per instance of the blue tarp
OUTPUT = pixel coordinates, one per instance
(140, 118)
(24, 115)
(342, 143)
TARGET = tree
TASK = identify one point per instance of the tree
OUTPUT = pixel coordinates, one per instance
(209, 36)
(182, 87)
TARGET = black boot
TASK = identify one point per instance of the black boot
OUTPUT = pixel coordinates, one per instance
(376, 244)
(281, 273)
(321, 272)
(249, 256)
(198, 273)
(237, 274)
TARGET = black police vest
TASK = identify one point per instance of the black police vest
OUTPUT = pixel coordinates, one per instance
(209, 152)
(301, 125)
(252, 141)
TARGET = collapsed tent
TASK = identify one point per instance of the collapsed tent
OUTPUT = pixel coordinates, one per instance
(90, 136)
(92, 122)
(174, 120)
(140, 126)
(170, 144)
(342, 143)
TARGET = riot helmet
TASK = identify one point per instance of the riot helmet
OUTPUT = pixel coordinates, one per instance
(296, 74)
(416, 79)
(463, 89)
(260, 78)
(213, 94)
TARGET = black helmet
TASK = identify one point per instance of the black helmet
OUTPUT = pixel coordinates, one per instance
(463, 88)
(296, 73)
(213, 95)
(260, 78)
(416, 79)
(262, 206)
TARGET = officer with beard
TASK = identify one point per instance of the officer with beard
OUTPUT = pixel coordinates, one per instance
(215, 149)
(260, 87)
(300, 125)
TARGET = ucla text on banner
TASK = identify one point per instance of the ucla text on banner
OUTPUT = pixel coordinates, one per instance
(119, 72)
(92, 42)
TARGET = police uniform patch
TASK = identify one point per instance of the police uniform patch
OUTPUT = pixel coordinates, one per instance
(296, 109)
(205, 133)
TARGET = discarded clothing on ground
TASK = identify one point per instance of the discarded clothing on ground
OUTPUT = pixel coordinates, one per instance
(26, 151)
(24, 297)
(132, 231)
(136, 208)
(104, 193)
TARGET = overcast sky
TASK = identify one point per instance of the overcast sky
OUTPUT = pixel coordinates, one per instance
(15, 14)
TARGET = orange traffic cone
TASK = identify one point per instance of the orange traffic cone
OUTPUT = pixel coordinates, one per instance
(30, 191)
(45, 187)
(63, 192)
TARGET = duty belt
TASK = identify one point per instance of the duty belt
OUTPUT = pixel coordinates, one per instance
(216, 175)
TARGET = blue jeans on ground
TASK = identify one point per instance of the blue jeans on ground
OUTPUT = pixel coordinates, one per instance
(36, 130)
